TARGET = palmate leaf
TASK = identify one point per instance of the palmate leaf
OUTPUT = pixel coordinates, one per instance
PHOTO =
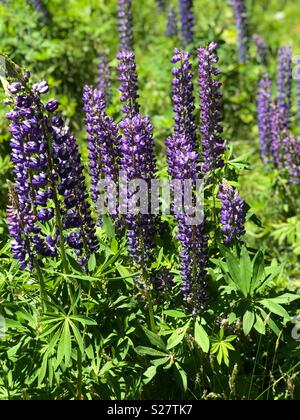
(155, 340)
(201, 337)
(64, 348)
(248, 322)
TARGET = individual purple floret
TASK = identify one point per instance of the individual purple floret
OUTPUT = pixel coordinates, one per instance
(213, 146)
(298, 89)
(128, 83)
(125, 25)
(264, 101)
(187, 21)
(138, 163)
(104, 76)
(261, 49)
(284, 84)
(103, 138)
(232, 213)
(240, 14)
(172, 23)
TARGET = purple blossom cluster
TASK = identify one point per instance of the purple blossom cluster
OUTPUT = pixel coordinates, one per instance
(103, 138)
(261, 49)
(42, 10)
(49, 186)
(213, 146)
(104, 83)
(284, 85)
(232, 213)
(240, 14)
(128, 83)
(187, 21)
(172, 23)
(264, 102)
(125, 25)
(183, 164)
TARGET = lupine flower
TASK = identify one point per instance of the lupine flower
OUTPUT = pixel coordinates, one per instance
(298, 89)
(183, 96)
(161, 4)
(240, 14)
(261, 49)
(187, 21)
(76, 212)
(128, 83)
(138, 163)
(104, 76)
(284, 84)
(172, 24)
(290, 152)
(276, 134)
(232, 213)
(183, 164)
(264, 100)
(42, 10)
(103, 138)
(49, 175)
(213, 146)
(125, 25)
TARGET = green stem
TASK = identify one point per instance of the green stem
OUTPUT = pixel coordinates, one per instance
(42, 285)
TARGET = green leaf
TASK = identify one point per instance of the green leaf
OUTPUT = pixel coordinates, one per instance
(260, 325)
(150, 374)
(258, 271)
(108, 226)
(83, 320)
(285, 299)
(183, 377)
(175, 314)
(201, 338)
(65, 345)
(248, 321)
(148, 351)
(92, 263)
(245, 271)
(275, 308)
(155, 340)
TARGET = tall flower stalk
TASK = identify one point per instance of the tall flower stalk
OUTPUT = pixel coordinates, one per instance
(284, 85)
(172, 23)
(264, 101)
(104, 81)
(183, 165)
(213, 145)
(240, 15)
(128, 79)
(187, 21)
(50, 184)
(125, 25)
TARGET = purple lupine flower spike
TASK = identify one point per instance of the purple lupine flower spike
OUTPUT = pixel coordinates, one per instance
(138, 163)
(290, 152)
(76, 212)
(172, 23)
(183, 96)
(261, 49)
(232, 213)
(103, 138)
(104, 76)
(276, 134)
(298, 89)
(284, 85)
(128, 83)
(240, 14)
(264, 101)
(42, 10)
(125, 25)
(187, 21)
(213, 146)
(183, 164)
